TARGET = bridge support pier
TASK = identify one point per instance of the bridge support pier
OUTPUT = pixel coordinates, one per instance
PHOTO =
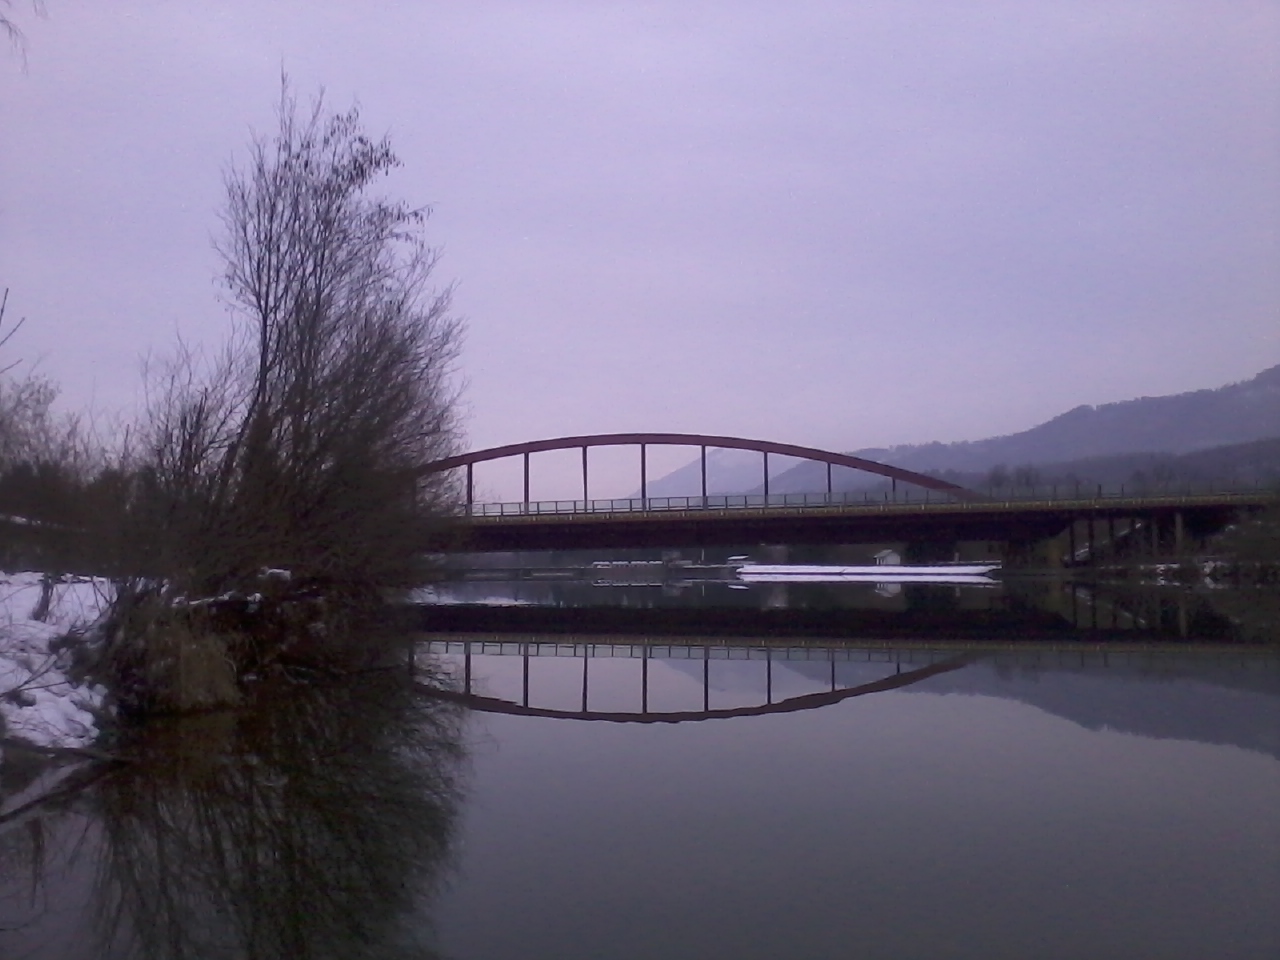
(706, 679)
(1033, 553)
(644, 681)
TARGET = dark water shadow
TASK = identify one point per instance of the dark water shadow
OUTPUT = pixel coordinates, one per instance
(1045, 609)
(314, 823)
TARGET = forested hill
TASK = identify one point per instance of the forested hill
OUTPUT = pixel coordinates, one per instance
(1180, 423)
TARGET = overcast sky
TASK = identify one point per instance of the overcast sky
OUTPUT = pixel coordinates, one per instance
(841, 224)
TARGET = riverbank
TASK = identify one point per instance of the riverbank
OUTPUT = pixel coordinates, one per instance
(40, 703)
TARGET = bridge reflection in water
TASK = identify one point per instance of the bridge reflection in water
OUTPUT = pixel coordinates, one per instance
(1042, 610)
(845, 672)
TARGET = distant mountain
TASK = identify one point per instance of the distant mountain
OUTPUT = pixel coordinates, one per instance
(1174, 424)
(728, 471)
(1231, 466)
(1179, 424)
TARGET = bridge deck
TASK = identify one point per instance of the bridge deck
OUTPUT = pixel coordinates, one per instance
(820, 505)
(676, 522)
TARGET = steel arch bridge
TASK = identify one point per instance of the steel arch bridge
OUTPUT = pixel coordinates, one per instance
(797, 704)
(703, 442)
(936, 662)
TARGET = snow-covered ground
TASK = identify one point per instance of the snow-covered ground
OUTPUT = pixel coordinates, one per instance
(38, 704)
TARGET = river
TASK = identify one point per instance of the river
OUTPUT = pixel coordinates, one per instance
(1109, 791)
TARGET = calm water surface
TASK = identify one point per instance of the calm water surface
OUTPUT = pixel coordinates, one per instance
(609, 797)
(1043, 804)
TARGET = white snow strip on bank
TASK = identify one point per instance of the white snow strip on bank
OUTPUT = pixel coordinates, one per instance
(38, 704)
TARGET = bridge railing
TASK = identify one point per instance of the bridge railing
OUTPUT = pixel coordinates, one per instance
(637, 505)
(1075, 493)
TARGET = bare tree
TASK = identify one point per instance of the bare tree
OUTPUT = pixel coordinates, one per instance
(50, 467)
(30, 430)
(12, 31)
(7, 335)
(304, 445)
(998, 477)
(1026, 476)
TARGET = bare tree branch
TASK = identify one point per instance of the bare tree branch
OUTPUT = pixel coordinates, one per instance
(5, 337)
(13, 32)
(303, 446)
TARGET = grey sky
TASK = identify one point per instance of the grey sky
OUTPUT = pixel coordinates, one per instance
(841, 224)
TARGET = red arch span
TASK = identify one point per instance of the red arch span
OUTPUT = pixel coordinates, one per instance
(701, 440)
(808, 701)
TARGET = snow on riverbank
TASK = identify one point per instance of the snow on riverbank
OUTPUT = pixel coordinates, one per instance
(38, 704)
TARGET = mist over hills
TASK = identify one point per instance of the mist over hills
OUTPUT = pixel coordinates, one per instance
(1233, 429)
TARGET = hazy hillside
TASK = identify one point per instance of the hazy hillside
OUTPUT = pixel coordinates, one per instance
(1174, 424)
(1106, 436)
(728, 471)
(1231, 466)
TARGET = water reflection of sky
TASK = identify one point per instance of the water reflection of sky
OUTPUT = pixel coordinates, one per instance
(1033, 801)
(994, 823)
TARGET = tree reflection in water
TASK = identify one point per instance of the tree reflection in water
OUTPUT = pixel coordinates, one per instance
(315, 824)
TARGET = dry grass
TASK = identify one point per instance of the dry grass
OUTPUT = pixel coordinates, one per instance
(165, 659)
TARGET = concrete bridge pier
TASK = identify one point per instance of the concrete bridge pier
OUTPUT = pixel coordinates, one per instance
(1034, 553)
